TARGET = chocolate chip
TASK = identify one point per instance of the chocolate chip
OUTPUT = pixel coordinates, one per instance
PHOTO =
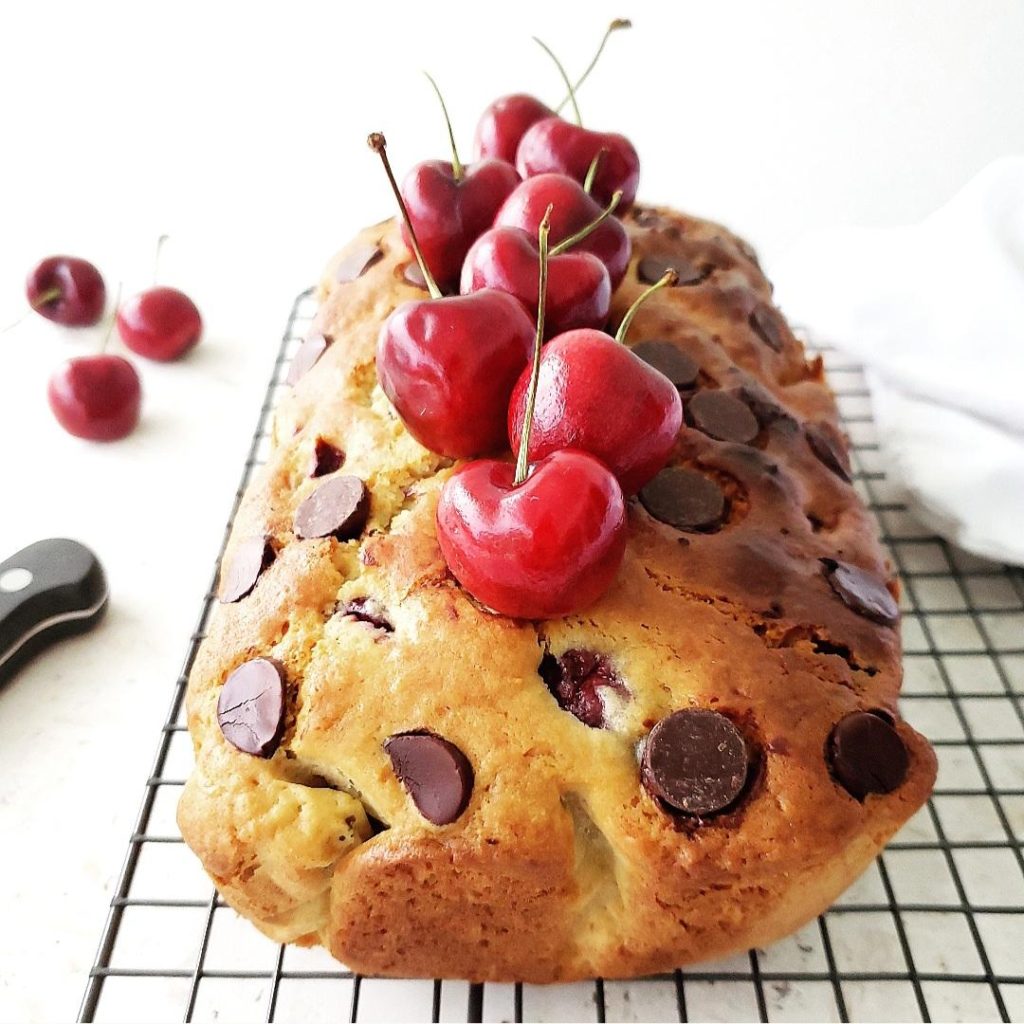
(247, 562)
(357, 263)
(866, 755)
(764, 322)
(311, 349)
(366, 609)
(828, 450)
(685, 499)
(696, 761)
(670, 360)
(337, 508)
(250, 710)
(722, 416)
(651, 269)
(326, 458)
(573, 679)
(436, 774)
(412, 274)
(648, 217)
(862, 591)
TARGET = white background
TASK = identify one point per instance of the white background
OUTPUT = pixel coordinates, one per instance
(239, 130)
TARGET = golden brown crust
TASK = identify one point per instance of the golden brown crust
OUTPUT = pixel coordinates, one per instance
(562, 866)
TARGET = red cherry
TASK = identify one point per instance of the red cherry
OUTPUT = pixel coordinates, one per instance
(449, 366)
(540, 550)
(572, 211)
(160, 323)
(96, 397)
(67, 290)
(579, 291)
(504, 123)
(555, 145)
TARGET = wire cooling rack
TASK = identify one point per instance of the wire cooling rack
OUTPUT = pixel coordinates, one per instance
(933, 931)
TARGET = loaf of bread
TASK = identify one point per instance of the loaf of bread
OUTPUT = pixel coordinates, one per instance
(696, 764)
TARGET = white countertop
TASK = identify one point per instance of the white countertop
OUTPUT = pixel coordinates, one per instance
(241, 136)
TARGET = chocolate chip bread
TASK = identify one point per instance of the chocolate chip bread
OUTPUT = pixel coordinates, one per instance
(696, 764)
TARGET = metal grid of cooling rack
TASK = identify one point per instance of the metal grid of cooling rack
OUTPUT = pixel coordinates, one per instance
(933, 931)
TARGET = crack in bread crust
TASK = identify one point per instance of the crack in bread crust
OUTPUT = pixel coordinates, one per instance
(562, 866)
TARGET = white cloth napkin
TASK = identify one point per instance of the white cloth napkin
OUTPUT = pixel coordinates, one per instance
(935, 312)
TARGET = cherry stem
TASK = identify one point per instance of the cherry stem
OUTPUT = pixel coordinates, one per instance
(568, 243)
(670, 277)
(113, 319)
(156, 258)
(523, 461)
(40, 300)
(565, 78)
(588, 181)
(457, 169)
(378, 144)
(613, 27)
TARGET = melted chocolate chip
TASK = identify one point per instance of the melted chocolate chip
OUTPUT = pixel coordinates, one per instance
(670, 360)
(436, 774)
(685, 499)
(311, 349)
(326, 458)
(651, 269)
(866, 754)
(412, 274)
(246, 565)
(760, 401)
(828, 450)
(250, 710)
(648, 217)
(366, 609)
(722, 416)
(696, 761)
(862, 591)
(764, 322)
(574, 678)
(338, 508)
(357, 263)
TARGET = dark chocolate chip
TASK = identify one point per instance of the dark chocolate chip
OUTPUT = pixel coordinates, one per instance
(366, 609)
(828, 450)
(337, 508)
(247, 562)
(862, 591)
(722, 416)
(866, 754)
(696, 761)
(685, 499)
(574, 678)
(412, 274)
(651, 269)
(326, 458)
(311, 349)
(250, 710)
(765, 324)
(763, 405)
(357, 263)
(436, 774)
(648, 217)
(670, 360)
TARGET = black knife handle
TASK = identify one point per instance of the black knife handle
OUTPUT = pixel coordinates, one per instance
(49, 590)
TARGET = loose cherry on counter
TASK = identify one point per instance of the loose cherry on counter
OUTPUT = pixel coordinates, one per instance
(579, 289)
(449, 364)
(67, 290)
(533, 542)
(450, 205)
(573, 210)
(596, 395)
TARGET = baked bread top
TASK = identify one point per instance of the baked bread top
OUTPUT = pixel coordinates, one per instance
(595, 831)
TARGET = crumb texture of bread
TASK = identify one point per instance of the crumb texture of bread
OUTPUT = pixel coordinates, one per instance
(563, 865)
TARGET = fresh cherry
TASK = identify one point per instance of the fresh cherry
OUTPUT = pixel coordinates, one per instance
(96, 397)
(533, 542)
(449, 364)
(572, 211)
(160, 323)
(504, 123)
(67, 290)
(594, 394)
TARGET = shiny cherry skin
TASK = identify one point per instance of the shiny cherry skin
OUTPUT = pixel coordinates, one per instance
(97, 397)
(579, 291)
(160, 323)
(449, 366)
(544, 549)
(557, 146)
(504, 123)
(81, 294)
(572, 210)
(595, 395)
(448, 215)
